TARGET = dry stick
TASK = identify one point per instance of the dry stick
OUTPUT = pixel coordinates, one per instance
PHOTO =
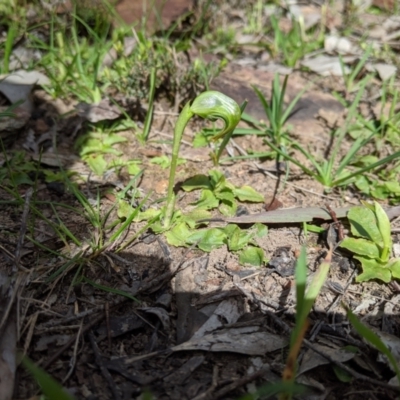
(236, 384)
(105, 372)
(205, 395)
(71, 341)
(73, 359)
(22, 230)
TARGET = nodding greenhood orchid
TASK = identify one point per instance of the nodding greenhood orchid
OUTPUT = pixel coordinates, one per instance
(210, 105)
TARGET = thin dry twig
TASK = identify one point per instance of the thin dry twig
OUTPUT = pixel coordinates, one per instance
(103, 368)
(73, 358)
(205, 395)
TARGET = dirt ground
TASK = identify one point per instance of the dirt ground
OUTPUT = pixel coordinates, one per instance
(202, 327)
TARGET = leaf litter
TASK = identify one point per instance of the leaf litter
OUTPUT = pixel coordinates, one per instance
(215, 305)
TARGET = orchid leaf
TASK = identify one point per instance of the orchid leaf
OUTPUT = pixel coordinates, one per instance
(197, 182)
(207, 200)
(247, 193)
(252, 255)
(207, 239)
(373, 269)
(364, 224)
(361, 246)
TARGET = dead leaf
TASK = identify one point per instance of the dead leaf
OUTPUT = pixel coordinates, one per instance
(227, 312)
(328, 65)
(248, 340)
(17, 86)
(54, 160)
(161, 314)
(293, 215)
(105, 110)
(312, 360)
(385, 71)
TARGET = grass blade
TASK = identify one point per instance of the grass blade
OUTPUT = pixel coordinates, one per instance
(372, 338)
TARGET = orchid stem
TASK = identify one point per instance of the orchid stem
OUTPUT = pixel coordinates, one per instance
(180, 126)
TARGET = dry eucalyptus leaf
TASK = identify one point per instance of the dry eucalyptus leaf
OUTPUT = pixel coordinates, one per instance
(17, 86)
(105, 110)
(312, 359)
(228, 311)
(55, 160)
(385, 71)
(327, 65)
(248, 340)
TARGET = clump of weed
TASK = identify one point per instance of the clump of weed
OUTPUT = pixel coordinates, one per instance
(174, 73)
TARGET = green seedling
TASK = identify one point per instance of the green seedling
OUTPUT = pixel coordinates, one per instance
(149, 116)
(241, 242)
(8, 46)
(216, 192)
(165, 162)
(73, 64)
(350, 79)
(277, 113)
(211, 105)
(329, 171)
(305, 298)
(294, 45)
(95, 144)
(372, 243)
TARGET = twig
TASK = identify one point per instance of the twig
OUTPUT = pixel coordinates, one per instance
(236, 384)
(73, 358)
(22, 229)
(205, 395)
(72, 340)
(105, 372)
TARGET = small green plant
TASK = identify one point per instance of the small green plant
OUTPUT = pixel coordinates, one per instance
(372, 243)
(295, 44)
(211, 105)
(72, 63)
(351, 78)
(304, 302)
(276, 132)
(305, 298)
(329, 171)
(216, 193)
(149, 115)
